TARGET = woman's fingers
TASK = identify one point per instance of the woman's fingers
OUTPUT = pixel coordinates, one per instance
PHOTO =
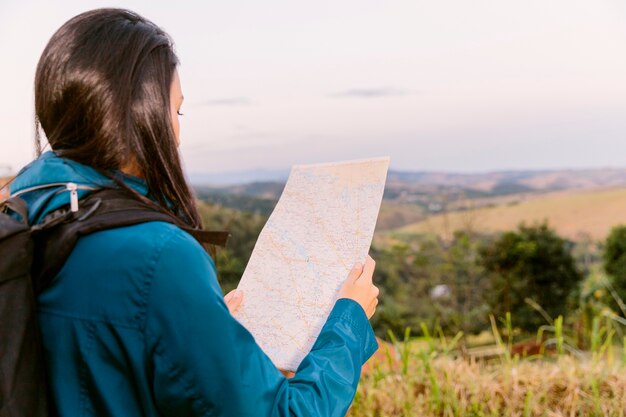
(372, 306)
(233, 300)
(368, 270)
(288, 374)
(360, 288)
(229, 296)
(375, 291)
(355, 272)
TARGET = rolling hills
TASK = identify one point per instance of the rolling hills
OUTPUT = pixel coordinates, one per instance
(578, 203)
(573, 213)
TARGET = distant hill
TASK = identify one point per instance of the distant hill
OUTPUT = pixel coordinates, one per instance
(255, 197)
(419, 198)
(573, 213)
(497, 182)
(514, 181)
(429, 188)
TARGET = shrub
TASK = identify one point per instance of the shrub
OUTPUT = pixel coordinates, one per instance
(532, 262)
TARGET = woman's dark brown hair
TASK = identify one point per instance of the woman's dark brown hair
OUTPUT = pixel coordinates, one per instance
(102, 98)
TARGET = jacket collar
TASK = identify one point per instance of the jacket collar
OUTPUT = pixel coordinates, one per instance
(43, 183)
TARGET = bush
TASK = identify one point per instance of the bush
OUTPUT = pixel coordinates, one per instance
(532, 262)
(615, 260)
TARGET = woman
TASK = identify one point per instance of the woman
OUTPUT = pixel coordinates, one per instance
(135, 323)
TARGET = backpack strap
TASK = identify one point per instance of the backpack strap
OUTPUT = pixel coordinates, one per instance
(23, 388)
(16, 205)
(57, 234)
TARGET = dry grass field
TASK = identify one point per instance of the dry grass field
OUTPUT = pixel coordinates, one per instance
(573, 214)
(434, 376)
(443, 386)
(393, 215)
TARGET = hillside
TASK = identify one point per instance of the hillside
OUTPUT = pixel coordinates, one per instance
(574, 201)
(431, 192)
(572, 213)
(516, 181)
(486, 182)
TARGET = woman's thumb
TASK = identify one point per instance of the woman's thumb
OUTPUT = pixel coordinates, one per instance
(355, 272)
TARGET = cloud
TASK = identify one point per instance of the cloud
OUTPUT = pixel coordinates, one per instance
(370, 92)
(228, 101)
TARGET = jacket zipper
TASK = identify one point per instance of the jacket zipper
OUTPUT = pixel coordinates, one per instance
(72, 187)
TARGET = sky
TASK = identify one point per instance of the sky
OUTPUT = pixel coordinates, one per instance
(444, 85)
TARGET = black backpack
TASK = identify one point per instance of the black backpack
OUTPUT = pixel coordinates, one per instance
(30, 257)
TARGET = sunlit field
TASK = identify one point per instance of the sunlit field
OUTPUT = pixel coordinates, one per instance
(438, 376)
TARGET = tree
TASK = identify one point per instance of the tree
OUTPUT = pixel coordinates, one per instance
(244, 228)
(532, 262)
(403, 289)
(426, 280)
(465, 276)
(615, 259)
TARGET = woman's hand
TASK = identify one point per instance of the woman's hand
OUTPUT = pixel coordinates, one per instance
(233, 300)
(360, 288)
(288, 374)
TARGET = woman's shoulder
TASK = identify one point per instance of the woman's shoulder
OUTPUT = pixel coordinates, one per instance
(111, 274)
(150, 242)
(146, 236)
(137, 253)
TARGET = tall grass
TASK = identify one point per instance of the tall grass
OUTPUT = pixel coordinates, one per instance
(434, 376)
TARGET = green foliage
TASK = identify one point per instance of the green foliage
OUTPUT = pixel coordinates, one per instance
(244, 228)
(479, 276)
(462, 273)
(407, 272)
(251, 201)
(532, 262)
(615, 259)
(404, 288)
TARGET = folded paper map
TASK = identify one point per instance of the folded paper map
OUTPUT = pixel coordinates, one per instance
(322, 224)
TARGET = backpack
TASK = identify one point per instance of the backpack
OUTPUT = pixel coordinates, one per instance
(30, 257)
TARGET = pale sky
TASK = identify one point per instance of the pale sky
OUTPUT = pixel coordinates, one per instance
(450, 85)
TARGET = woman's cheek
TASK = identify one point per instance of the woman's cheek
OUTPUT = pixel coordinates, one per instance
(176, 126)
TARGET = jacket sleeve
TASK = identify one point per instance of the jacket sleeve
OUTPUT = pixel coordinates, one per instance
(205, 363)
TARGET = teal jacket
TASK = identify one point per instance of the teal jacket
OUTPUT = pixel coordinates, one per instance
(135, 325)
